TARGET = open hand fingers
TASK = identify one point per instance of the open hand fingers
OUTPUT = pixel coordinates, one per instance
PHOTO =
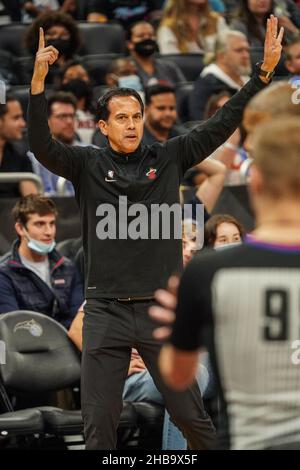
(162, 315)
(280, 35)
(173, 284)
(162, 333)
(166, 299)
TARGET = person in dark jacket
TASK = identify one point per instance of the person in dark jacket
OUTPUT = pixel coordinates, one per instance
(34, 276)
(125, 261)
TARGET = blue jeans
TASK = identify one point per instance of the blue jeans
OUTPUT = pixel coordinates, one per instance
(140, 387)
(172, 437)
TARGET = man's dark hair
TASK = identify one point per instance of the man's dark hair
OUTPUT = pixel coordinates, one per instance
(61, 97)
(115, 64)
(67, 65)
(128, 31)
(3, 107)
(33, 204)
(103, 102)
(46, 21)
(157, 89)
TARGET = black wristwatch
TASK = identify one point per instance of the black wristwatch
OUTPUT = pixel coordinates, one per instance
(263, 73)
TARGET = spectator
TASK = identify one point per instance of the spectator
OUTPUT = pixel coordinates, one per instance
(75, 79)
(142, 45)
(62, 32)
(122, 73)
(12, 125)
(208, 177)
(124, 11)
(61, 121)
(33, 276)
(252, 15)
(292, 56)
(189, 26)
(160, 114)
(229, 71)
(32, 9)
(223, 229)
(232, 153)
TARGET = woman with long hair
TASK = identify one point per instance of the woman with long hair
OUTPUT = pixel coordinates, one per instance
(251, 19)
(189, 26)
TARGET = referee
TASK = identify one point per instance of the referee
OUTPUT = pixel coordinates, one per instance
(243, 305)
(122, 272)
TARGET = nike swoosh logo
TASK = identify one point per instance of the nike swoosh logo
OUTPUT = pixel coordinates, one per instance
(109, 181)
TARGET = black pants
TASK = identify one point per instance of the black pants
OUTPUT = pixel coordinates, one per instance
(110, 330)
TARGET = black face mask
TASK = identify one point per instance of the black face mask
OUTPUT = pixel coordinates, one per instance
(146, 48)
(78, 87)
(63, 46)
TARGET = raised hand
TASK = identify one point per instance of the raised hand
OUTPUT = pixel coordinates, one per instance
(273, 44)
(45, 56)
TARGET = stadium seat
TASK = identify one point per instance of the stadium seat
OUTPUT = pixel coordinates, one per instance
(183, 91)
(21, 93)
(12, 39)
(40, 358)
(19, 425)
(191, 65)
(101, 38)
(97, 66)
(98, 91)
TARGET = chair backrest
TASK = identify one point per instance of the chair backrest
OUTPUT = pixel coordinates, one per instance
(97, 66)
(12, 39)
(39, 355)
(191, 65)
(183, 91)
(99, 38)
(21, 93)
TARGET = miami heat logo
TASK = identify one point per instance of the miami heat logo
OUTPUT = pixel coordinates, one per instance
(151, 174)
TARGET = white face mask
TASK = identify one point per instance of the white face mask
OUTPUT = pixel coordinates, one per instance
(130, 81)
(226, 246)
(40, 247)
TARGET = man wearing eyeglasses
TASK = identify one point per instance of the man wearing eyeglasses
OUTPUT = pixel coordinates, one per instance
(61, 121)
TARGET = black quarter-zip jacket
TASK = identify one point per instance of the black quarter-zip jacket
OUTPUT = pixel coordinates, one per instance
(127, 267)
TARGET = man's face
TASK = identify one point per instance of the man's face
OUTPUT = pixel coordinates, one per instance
(139, 33)
(293, 64)
(237, 55)
(125, 68)
(76, 72)
(124, 126)
(62, 122)
(161, 111)
(39, 227)
(12, 123)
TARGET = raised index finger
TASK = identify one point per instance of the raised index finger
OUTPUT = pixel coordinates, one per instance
(41, 39)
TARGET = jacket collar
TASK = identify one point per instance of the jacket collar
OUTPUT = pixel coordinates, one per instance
(14, 260)
(214, 69)
(125, 157)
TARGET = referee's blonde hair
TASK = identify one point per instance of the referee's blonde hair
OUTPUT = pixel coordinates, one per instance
(276, 153)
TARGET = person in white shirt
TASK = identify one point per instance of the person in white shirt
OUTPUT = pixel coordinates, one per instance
(189, 26)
